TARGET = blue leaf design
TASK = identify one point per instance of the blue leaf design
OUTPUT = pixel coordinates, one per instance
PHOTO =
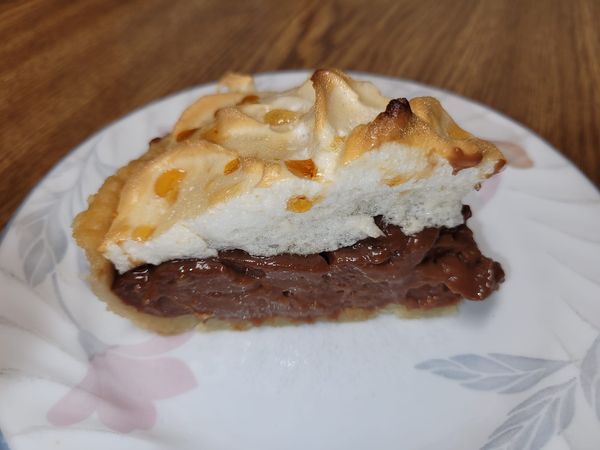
(480, 364)
(518, 418)
(56, 239)
(446, 369)
(3, 444)
(502, 439)
(33, 216)
(42, 241)
(38, 263)
(454, 374)
(539, 397)
(546, 426)
(590, 376)
(533, 422)
(491, 383)
(530, 380)
(522, 362)
(498, 372)
(29, 233)
(437, 364)
(522, 438)
(567, 412)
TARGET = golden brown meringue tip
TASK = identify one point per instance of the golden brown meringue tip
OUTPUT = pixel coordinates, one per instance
(203, 110)
(342, 103)
(237, 82)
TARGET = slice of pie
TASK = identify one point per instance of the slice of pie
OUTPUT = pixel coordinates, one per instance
(325, 201)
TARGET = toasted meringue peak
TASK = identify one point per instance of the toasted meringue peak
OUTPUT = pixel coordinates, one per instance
(342, 103)
(300, 171)
(237, 82)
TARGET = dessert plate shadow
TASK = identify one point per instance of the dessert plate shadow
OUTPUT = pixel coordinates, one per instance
(521, 370)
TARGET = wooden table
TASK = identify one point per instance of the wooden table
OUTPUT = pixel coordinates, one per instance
(69, 68)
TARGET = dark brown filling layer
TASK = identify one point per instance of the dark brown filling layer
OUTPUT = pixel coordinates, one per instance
(430, 269)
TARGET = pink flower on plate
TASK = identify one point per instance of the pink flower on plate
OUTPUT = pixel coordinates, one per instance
(515, 154)
(516, 157)
(122, 384)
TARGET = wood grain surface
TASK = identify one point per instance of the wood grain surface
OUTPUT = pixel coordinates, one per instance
(69, 68)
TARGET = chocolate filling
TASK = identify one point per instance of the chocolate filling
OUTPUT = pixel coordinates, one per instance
(434, 268)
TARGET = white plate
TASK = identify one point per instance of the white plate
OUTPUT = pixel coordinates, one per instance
(520, 370)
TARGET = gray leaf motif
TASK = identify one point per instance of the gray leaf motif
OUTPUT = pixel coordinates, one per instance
(498, 372)
(533, 422)
(590, 376)
(3, 444)
(42, 241)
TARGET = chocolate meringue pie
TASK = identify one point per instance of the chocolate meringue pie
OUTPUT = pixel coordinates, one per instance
(325, 201)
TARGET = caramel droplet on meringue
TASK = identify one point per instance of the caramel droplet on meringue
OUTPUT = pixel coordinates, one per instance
(299, 204)
(231, 166)
(249, 99)
(280, 116)
(167, 184)
(398, 179)
(211, 135)
(460, 160)
(500, 164)
(142, 232)
(183, 135)
(304, 168)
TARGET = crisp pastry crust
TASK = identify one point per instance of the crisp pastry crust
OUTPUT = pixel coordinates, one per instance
(233, 143)
(90, 228)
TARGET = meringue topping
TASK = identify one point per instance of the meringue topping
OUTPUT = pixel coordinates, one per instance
(300, 171)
